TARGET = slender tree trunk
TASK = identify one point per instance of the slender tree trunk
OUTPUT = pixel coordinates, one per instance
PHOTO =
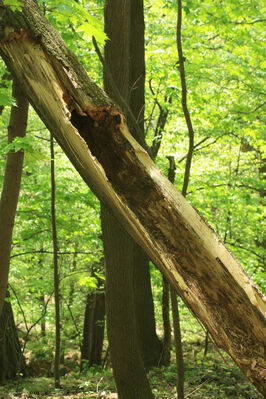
(93, 133)
(43, 324)
(12, 362)
(175, 314)
(11, 186)
(181, 60)
(166, 350)
(178, 345)
(56, 271)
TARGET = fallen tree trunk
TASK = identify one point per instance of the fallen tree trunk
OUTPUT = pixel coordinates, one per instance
(93, 133)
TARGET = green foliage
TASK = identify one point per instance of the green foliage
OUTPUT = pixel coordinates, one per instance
(14, 4)
(78, 17)
(5, 98)
(225, 71)
(19, 143)
(224, 64)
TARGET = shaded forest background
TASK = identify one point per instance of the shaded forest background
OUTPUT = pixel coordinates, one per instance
(224, 62)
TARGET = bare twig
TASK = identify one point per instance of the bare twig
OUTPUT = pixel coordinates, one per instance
(198, 387)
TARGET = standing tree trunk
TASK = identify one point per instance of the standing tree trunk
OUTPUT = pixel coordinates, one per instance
(87, 332)
(11, 186)
(166, 350)
(98, 329)
(12, 362)
(150, 344)
(127, 42)
(56, 271)
(128, 367)
(93, 328)
(127, 363)
(93, 133)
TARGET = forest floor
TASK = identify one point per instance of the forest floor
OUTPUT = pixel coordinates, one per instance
(211, 377)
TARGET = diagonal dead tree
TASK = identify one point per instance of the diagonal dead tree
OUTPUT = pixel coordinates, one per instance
(93, 133)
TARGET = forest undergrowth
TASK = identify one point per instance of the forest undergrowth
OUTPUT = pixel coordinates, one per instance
(207, 377)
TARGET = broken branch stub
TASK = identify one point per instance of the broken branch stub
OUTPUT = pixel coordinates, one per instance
(93, 133)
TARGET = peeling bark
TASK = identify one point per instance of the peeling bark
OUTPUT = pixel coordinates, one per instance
(93, 133)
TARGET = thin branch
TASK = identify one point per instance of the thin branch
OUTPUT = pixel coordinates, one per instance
(255, 21)
(198, 387)
(32, 235)
(73, 319)
(184, 97)
(51, 252)
(249, 112)
(243, 247)
(196, 148)
(19, 305)
(127, 109)
(153, 107)
(227, 185)
(35, 323)
(158, 133)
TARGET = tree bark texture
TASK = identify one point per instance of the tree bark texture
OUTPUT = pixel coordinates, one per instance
(93, 133)
(11, 186)
(12, 362)
(149, 343)
(125, 68)
(128, 366)
(93, 330)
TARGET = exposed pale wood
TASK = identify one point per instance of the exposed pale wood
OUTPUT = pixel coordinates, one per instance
(94, 135)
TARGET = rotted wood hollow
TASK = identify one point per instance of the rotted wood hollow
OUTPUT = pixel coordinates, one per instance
(93, 133)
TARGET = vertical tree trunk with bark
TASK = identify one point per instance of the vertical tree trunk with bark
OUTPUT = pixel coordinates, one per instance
(128, 367)
(12, 362)
(150, 344)
(87, 332)
(56, 271)
(93, 133)
(93, 329)
(127, 73)
(166, 350)
(98, 329)
(11, 186)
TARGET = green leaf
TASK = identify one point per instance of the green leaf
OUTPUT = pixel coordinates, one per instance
(88, 281)
(6, 99)
(92, 27)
